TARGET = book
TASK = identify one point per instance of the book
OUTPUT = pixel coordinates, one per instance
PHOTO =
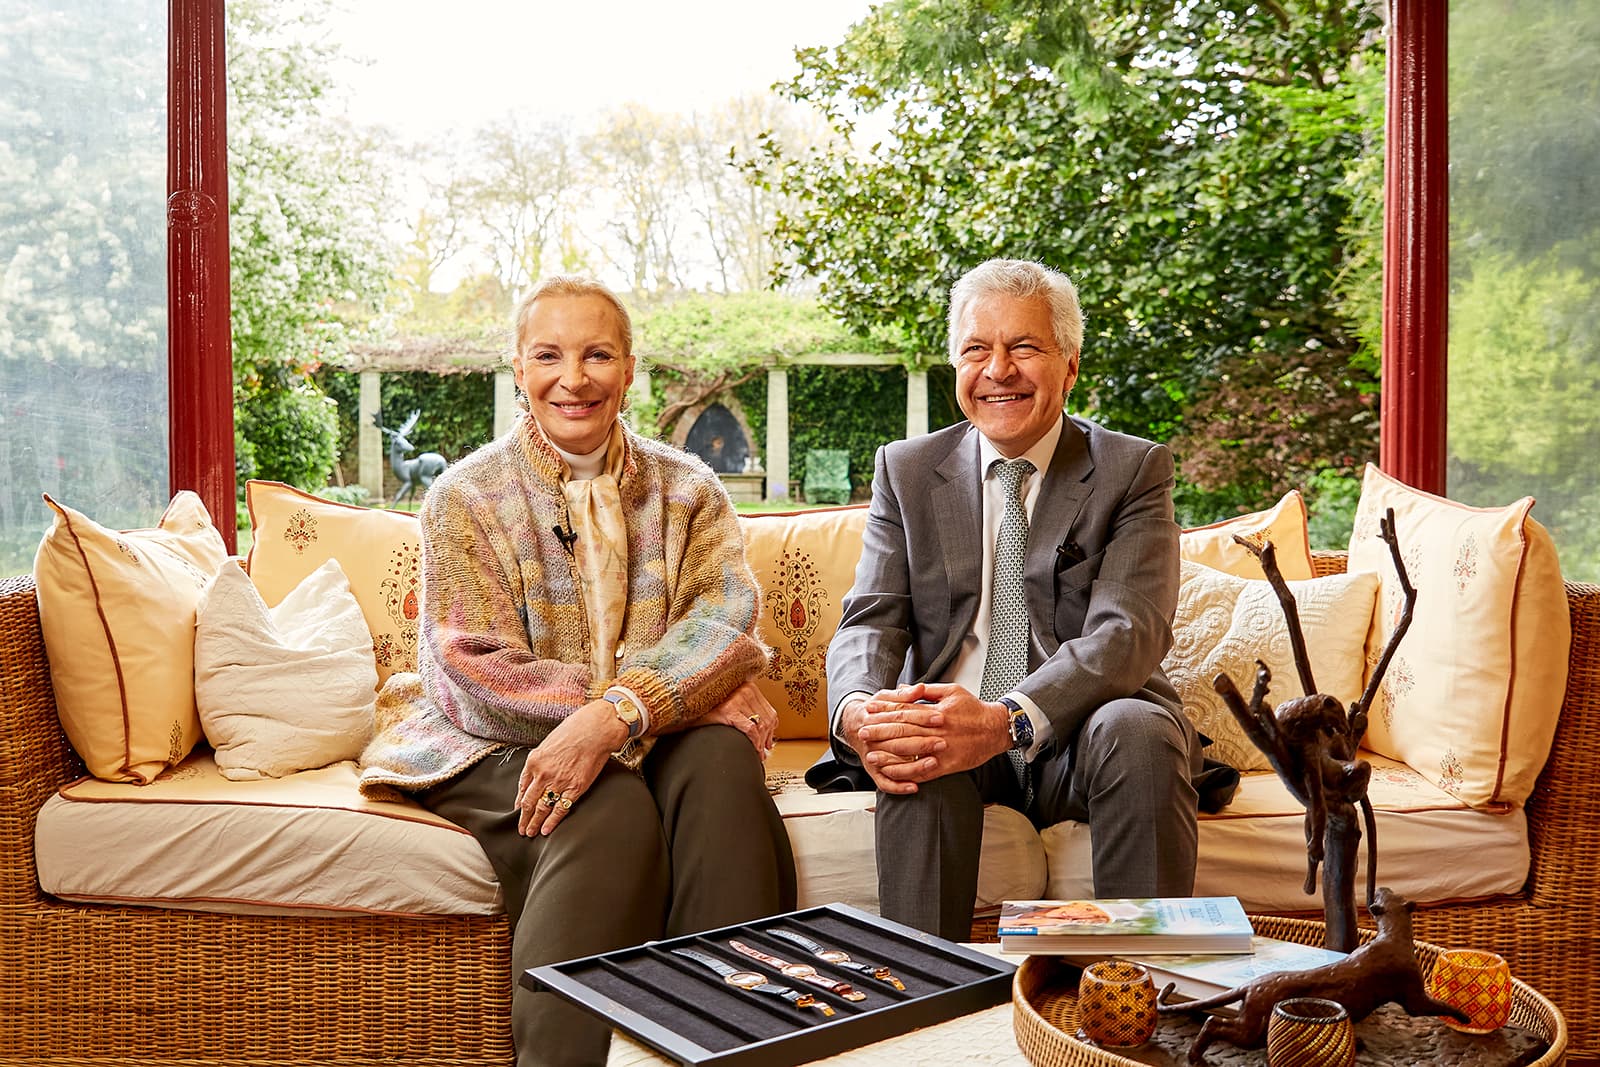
(1199, 975)
(1130, 925)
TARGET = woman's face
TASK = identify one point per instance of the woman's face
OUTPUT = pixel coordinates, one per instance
(574, 369)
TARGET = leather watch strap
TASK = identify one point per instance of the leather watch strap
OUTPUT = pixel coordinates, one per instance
(751, 982)
(803, 972)
(838, 958)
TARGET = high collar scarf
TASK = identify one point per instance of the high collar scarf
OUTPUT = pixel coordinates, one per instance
(594, 513)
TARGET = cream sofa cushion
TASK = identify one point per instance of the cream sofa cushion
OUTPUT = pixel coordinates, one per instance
(283, 689)
(1471, 697)
(1225, 623)
(117, 609)
(1284, 524)
(805, 562)
(380, 552)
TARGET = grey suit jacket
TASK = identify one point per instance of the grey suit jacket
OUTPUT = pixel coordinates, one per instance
(1101, 574)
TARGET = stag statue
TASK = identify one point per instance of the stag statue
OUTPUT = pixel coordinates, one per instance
(1311, 742)
(411, 472)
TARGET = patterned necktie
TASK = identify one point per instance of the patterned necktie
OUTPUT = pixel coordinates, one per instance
(1006, 661)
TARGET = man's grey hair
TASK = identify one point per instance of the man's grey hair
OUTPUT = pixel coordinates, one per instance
(1020, 278)
(571, 285)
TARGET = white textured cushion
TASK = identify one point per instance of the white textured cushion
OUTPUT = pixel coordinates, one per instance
(1284, 524)
(285, 689)
(117, 612)
(1471, 697)
(1225, 623)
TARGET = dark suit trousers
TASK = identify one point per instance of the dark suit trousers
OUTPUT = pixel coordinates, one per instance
(694, 843)
(1128, 774)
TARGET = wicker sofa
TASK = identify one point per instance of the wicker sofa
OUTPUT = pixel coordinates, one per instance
(106, 984)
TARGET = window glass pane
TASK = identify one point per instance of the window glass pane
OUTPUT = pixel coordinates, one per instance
(83, 265)
(1524, 352)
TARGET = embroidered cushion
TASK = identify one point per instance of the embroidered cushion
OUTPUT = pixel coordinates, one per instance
(117, 610)
(254, 667)
(1284, 524)
(805, 562)
(1225, 623)
(379, 551)
(1471, 697)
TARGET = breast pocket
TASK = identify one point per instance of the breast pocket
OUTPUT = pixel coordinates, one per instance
(1074, 581)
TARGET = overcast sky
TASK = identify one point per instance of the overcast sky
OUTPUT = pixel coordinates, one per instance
(436, 65)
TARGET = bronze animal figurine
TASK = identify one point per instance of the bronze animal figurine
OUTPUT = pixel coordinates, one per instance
(1311, 742)
(1383, 970)
(411, 472)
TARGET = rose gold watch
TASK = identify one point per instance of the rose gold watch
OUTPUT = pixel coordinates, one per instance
(627, 710)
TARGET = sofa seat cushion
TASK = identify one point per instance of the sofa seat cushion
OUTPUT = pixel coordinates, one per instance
(1432, 847)
(304, 842)
(310, 842)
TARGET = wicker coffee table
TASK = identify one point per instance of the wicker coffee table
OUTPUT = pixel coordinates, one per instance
(1046, 1006)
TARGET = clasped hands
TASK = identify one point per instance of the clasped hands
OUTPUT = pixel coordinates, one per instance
(562, 767)
(916, 733)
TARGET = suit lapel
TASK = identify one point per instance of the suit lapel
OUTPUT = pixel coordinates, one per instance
(958, 511)
(1061, 499)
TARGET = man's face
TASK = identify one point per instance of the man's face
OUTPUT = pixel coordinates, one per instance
(1011, 378)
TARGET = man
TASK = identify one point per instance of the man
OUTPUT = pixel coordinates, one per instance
(1003, 639)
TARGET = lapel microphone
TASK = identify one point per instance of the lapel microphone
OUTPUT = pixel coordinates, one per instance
(568, 538)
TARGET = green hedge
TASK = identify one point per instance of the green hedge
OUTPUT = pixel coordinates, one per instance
(457, 414)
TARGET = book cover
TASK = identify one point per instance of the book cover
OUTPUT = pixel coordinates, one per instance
(1131, 925)
(1202, 974)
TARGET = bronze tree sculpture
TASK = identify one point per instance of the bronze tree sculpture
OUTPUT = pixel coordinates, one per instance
(1311, 742)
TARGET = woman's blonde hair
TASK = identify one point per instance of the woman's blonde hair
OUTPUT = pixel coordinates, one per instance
(571, 285)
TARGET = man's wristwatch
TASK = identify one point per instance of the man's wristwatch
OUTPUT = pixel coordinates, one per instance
(1021, 725)
(627, 711)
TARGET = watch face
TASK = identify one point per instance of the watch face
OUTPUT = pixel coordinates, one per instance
(627, 710)
(745, 979)
(799, 970)
(833, 955)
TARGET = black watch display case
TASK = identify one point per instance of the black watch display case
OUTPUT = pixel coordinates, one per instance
(691, 1014)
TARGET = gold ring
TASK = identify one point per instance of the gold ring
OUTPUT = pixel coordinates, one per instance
(564, 803)
(755, 720)
(549, 798)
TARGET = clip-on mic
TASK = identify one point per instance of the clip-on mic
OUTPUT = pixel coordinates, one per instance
(568, 538)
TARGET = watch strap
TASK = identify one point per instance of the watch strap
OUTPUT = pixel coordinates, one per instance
(838, 958)
(727, 970)
(801, 971)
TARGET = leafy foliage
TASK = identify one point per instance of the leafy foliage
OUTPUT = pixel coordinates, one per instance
(1189, 165)
(309, 263)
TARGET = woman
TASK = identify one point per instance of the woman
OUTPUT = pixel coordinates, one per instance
(583, 702)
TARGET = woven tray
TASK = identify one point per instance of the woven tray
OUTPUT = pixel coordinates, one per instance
(1046, 1007)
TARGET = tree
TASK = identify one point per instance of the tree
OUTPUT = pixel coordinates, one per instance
(1186, 164)
(640, 153)
(525, 178)
(310, 264)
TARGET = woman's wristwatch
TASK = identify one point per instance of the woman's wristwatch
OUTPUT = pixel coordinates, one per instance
(627, 709)
(751, 982)
(802, 972)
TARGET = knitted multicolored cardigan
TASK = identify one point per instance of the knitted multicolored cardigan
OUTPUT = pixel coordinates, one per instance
(503, 645)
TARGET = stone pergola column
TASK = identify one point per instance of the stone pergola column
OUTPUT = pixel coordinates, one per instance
(369, 439)
(916, 403)
(505, 401)
(777, 457)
